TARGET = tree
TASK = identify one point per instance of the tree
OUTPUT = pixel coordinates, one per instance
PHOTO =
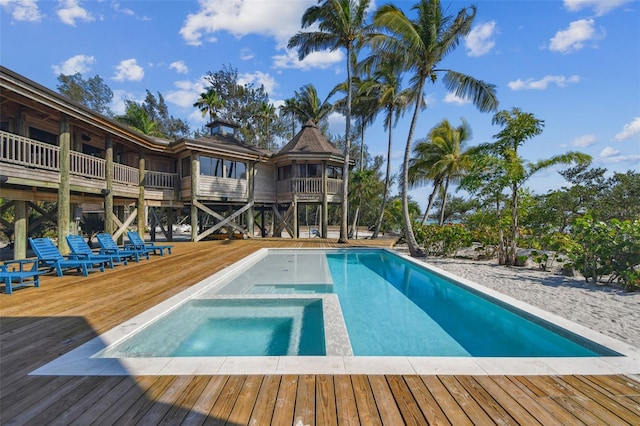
(168, 126)
(385, 85)
(518, 127)
(420, 45)
(93, 93)
(209, 103)
(244, 105)
(442, 157)
(306, 105)
(341, 24)
(136, 117)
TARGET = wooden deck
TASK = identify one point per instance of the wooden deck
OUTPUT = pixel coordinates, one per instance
(38, 325)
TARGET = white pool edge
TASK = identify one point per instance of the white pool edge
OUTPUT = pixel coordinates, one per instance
(85, 360)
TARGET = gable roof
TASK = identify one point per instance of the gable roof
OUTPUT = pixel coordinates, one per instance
(309, 140)
(226, 145)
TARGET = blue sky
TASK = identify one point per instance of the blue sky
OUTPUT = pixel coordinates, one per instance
(574, 64)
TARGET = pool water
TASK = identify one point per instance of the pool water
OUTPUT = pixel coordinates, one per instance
(221, 327)
(390, 306)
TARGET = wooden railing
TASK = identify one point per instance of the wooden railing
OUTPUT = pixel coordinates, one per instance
(309, 186)
(28, 152)
(125, 174)
(334, 186)
(160, 180)
(87, 165)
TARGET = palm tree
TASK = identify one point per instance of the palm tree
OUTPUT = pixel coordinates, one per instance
(341, 24)
(307, 105)
(440, 158)
(209, 103)
(288, 110)
(136, 117)
(420, 45)
(385, 87)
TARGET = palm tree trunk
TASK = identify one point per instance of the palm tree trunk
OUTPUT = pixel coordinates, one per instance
(444, 201)
(344, 237)
(414, 248)
(432, 197)
(387, 181)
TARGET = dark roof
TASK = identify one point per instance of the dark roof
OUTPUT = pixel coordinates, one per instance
(309, 141)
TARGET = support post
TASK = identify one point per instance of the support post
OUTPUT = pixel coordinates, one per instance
(141, 210)
(194, 197)
(20, 229)
(64, 190)
(296, 234)
(251, 197)
(108, 174)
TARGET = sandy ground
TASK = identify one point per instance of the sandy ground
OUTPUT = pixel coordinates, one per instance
(607, 309)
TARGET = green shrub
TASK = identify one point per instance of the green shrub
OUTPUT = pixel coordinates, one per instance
(443, 240)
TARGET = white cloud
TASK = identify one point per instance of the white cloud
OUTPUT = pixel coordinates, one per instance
(78, 63)
(600, 7)
(186, 93)
(337, 123)
(246, 54)
(480, 40)
(542, 84)
(629, 130)
(322, 60)
(451, 98)
(576, 36)
(258, 78)
(23, 10)
(584, 141)
(240, 18)
(179, 66)
(609, 152)
(70, 11)
(128, 70)
(124, 10)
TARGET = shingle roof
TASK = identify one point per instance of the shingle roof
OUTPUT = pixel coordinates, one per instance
(309, 141)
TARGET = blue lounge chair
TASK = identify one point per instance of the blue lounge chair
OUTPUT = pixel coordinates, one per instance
(79, 247)
(108, 246)
(137, 243)
(21, 274)
(50, 257)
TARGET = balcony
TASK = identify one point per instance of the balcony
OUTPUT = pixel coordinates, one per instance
(309, 186)
(37, 155)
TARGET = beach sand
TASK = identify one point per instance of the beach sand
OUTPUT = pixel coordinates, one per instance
(607, 309)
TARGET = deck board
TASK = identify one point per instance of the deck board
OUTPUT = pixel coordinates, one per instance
(39, 324)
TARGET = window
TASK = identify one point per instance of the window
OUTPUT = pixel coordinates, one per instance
(43, 136)
(186, 166)
(334, 172)
(218, 167)
(91, 150)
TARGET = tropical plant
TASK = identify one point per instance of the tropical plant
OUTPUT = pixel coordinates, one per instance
(209, 103)
(341, 25)
(518, 127)
(420, 45)
(441, 158)
(306, 105)
(385, 86)
(136, 117)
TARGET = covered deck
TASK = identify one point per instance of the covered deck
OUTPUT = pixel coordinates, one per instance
(39, 324)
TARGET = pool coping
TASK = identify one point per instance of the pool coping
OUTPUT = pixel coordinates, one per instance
(83, 360)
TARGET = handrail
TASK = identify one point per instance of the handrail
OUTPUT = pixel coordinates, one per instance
(87, 165)
(125, 174)
(309, 186)
(28, 152)
(160, 179)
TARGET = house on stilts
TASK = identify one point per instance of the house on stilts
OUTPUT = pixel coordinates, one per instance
(55, 150)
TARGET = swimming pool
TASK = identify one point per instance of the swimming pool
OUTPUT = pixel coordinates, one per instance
(375, 311)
